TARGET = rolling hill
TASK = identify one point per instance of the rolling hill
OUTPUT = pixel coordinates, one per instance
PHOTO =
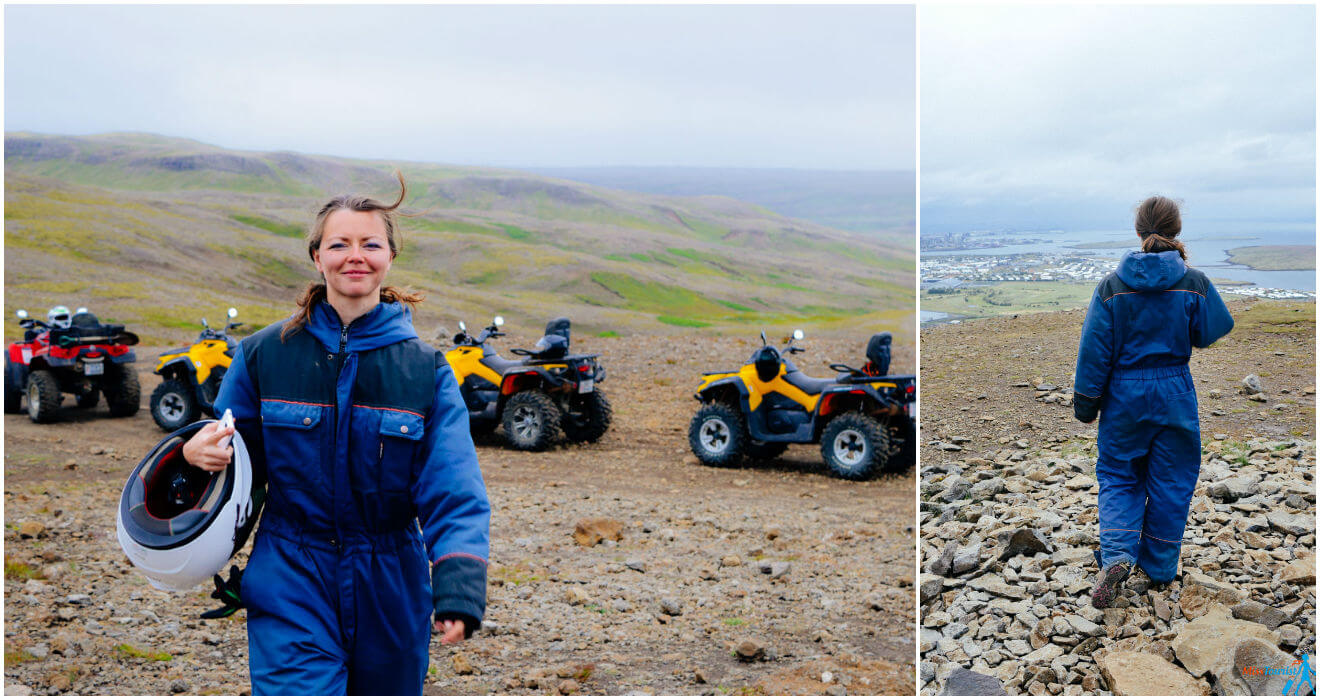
(156, 232)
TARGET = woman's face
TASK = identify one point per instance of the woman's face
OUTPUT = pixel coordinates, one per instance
(354, 254)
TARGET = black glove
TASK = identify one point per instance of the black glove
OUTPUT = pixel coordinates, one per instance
(458, 591)
(1085, 408)
(227, 592)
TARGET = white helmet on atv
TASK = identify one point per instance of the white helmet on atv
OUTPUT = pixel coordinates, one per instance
(180, 524)
(59, 317)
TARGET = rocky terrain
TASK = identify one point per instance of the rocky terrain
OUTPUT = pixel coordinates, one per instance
(623, 567)
(1008, 519)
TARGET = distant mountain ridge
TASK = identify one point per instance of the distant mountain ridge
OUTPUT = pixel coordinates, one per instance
(86, 216)
(870, 201)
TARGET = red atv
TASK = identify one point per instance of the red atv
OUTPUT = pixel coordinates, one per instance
(85, 359)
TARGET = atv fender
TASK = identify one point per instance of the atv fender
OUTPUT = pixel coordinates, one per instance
(181, 367)
(530, 378)
(708, 392)
(845, 398)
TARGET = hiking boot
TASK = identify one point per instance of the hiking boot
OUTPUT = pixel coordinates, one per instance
(1108, 583)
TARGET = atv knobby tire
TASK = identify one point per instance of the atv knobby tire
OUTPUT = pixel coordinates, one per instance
(43, 394)
(173, 405)
(13, 391)
(589, 418)
(718, 435)
(90, 399)
(531, 421)
(855, 446)
(765, 450)
(123, 393)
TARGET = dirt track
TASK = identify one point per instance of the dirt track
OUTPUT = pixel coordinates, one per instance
(564, 618)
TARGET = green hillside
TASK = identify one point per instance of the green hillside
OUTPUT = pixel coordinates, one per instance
(156, 232)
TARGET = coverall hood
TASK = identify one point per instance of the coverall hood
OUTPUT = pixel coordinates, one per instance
(1151, 272)
(386, 324)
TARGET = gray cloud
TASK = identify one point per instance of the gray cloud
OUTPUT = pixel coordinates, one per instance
(776, 86)
(1035, 116)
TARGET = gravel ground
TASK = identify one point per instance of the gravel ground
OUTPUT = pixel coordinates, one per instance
(1008, 519)
(771, 579)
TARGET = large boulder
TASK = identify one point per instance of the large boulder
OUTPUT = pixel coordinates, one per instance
(1259, 668)
(1208, 643)
(1141, 673)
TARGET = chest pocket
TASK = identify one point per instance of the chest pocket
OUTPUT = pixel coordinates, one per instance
(399, 446)
(293, 444)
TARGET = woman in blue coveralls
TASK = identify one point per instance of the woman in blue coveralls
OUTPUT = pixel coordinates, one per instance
(376, 516)
(1139, 332)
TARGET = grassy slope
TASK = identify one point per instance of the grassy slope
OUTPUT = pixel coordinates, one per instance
(157, 232)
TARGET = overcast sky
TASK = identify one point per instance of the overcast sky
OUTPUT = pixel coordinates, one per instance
(747, 86)
(1042, 116)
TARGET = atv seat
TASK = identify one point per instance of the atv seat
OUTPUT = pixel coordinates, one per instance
(84, 326)
(811, 385)
(499, 364)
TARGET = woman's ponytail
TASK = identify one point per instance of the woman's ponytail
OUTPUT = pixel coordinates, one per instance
(1158, 222)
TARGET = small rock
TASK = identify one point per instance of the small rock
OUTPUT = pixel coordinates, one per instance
(963, 682)
(636, 565)
(462, 666)
(775, 569)
(1251, 385)
(593, 531)
(568, 686)
(669, 606)
(1300, 572)
(30, 529)
(750, 650)
(179, 686)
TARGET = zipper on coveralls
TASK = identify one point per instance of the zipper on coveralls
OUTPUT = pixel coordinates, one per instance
(339, 367)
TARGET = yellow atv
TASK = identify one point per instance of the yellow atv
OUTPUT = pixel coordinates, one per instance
(191, 377)
(536, 398)
(863, 418)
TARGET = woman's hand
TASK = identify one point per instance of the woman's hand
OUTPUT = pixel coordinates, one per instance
(453, 631)
(203, 449)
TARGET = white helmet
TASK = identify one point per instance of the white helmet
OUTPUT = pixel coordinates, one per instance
(180, 524)
(59, 317)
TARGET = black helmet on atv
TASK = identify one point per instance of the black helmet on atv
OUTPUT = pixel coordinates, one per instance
(767, 363)
(877, 354)
(554, 344)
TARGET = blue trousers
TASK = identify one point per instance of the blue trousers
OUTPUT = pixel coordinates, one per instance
(337, 618)
(1150, 458)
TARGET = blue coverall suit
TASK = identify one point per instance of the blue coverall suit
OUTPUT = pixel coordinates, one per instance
(1139, 332)
(376, 514)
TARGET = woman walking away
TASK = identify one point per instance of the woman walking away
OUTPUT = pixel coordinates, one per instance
(1141, 326)
(377, 516)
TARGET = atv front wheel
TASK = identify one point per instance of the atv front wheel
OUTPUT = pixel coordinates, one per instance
(43, 395)
(588, 418)
(531, 421)
(855, 446)
(718, 435)
(90, 399)
(122, 392)
(173, 405)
